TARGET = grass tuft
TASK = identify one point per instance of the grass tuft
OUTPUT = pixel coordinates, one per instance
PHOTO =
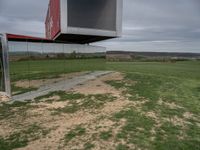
(105, 135)
(78, 131)
(22, 138)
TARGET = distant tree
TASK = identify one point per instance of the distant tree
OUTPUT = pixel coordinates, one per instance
(73, 55)
(60, 56)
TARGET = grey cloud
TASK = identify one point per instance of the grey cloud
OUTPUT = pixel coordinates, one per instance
(159, 25)
(148, 25)
(24, 9)
(23, 16)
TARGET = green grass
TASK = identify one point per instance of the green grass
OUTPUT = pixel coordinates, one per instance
(22, 138)
(105, 135)
(172, 83)
(130, 131)
(19, 90)
(46, 69)
(184, 70)
(122, 147)
(88, 146)
(78, 131)
(8, 111)
(177, 83)
(87, 102)
(63, 96)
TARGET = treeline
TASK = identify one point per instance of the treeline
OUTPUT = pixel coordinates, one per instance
(150, 56)
(147, 59)
(49, 56)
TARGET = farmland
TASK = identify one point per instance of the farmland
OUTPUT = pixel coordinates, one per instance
(141, 105)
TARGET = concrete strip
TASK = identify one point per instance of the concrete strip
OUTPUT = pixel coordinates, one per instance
(60, 86)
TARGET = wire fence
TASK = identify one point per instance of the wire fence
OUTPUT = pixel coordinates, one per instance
(38, 64)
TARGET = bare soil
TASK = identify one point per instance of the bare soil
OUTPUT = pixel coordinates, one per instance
(3, 97)
(60, 125)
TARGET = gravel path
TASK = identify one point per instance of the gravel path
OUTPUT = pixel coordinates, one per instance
(60, 86)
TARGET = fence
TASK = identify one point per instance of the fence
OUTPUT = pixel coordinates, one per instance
(33, 65)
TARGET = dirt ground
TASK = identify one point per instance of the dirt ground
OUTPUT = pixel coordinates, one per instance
(84, 117)
(93, 120)
(3, 97)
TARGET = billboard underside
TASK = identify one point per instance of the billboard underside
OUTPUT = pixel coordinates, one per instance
(80, 39)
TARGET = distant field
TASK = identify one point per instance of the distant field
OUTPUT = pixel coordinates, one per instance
(45, 68)
(182, 69)
(161, 109)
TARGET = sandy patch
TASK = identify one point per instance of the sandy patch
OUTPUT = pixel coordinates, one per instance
(98, 86)
(5, 129)
(115, 106)
(189, 115)
(3, 97)
(117, 76)
(176, 121)
(66, 122)
(169, 105)
(152, 115)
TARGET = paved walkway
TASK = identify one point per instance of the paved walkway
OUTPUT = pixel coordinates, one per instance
(60, 86)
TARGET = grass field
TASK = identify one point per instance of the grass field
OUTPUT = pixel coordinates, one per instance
(162, 110)
(177, 86)
(47, 69)
(42, 69)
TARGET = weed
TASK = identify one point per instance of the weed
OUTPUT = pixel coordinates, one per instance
(88, 102)
(63, 96)
(105, 135)
(78, 131)
(88, 146)
(21, 138)
(20, 90)
(130, 132)
(122, 147)
(7, 110)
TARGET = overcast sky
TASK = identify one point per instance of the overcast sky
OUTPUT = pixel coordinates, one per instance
(148, 25)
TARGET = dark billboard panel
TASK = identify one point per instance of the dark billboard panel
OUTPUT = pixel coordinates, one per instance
(95, 14)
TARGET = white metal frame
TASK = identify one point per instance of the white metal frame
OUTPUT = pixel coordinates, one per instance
(5, 49)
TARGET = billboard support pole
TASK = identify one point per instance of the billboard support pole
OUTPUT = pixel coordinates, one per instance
(5, 62)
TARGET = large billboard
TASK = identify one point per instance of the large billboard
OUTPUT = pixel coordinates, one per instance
(84, 21)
